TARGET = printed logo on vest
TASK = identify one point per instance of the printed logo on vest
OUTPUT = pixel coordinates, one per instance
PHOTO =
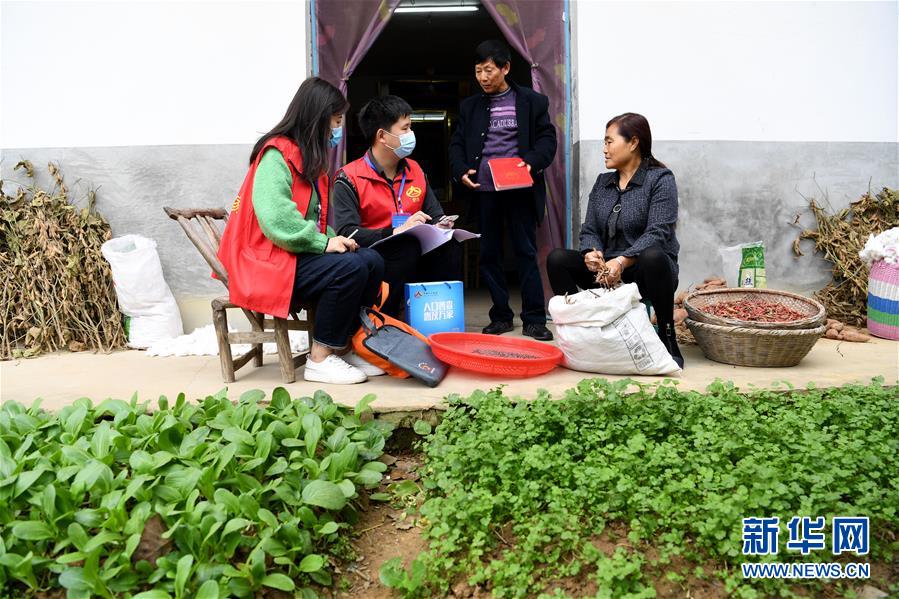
(236, 205)
(413, 192)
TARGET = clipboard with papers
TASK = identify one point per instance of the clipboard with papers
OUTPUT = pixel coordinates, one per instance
(430, 236)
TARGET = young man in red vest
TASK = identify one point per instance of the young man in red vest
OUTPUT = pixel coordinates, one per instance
(383, 193)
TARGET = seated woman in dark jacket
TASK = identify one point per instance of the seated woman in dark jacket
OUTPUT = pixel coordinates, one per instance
(630, 222)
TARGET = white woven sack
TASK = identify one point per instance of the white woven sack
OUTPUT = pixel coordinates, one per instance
(141, 290)
(607, 331)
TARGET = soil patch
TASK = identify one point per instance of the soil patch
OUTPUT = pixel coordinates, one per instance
(383, 533)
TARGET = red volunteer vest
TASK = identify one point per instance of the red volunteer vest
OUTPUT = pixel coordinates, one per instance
(378, 202)
(260, 274)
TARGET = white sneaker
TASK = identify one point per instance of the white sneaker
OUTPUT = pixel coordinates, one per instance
(333, 370)
(354, 359)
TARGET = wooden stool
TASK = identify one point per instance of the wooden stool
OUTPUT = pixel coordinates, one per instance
(204, 228)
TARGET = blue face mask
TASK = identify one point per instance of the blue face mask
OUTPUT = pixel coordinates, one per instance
(407, 143)
(336, 136)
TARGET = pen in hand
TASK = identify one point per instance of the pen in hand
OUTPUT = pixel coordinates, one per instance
(350, 244)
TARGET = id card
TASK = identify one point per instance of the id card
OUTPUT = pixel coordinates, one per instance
(400, 219)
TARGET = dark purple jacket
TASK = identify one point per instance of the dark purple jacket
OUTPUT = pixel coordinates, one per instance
(536, 137)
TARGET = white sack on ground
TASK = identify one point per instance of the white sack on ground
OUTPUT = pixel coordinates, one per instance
(142, 292)
(608, 331)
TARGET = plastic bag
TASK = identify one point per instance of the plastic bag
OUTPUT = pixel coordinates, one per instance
(744, 265)
(882, 247)
(141, 289)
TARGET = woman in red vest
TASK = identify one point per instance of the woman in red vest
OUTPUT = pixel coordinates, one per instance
(277, 247)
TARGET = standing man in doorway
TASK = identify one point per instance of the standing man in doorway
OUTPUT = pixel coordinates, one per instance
(506, 120)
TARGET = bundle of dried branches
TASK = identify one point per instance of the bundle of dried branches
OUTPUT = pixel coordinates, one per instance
(602, 273)
(840, 236)
(56, 289)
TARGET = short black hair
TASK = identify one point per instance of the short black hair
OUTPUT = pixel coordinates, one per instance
(381, 113)
(494, 50)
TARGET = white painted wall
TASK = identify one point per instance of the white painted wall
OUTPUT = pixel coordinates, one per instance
(80, 74)
(745, 71)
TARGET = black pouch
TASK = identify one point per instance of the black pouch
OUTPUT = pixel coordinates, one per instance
(401, 349)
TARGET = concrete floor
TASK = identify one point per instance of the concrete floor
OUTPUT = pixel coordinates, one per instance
(61, 378)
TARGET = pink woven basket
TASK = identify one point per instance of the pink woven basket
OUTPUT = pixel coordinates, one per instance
(883, 300)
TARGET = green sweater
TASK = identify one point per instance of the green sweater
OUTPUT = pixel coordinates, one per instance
(278, 217)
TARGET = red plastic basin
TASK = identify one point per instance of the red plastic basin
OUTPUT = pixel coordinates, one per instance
(490, 354)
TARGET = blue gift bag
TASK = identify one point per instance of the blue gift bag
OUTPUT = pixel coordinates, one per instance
(437, 307)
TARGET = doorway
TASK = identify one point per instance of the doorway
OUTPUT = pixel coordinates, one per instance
(427, 59)
(367, 49)
(433, 78)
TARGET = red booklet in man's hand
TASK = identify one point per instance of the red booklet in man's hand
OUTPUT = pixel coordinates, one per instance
(508, 175)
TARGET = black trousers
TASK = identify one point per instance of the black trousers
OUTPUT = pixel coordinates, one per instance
(513, 210)
(404, 263)
(653, 274)
(340, 284)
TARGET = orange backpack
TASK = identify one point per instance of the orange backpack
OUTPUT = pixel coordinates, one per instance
(370, 356)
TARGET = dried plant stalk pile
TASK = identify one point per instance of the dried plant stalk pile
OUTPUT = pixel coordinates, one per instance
(56, 289)
(840, 237)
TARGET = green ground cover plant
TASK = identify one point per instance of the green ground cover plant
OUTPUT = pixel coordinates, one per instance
(189, 500)
(615, 488)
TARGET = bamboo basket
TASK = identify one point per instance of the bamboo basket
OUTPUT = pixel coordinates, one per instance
(813, 311)
(743, 346)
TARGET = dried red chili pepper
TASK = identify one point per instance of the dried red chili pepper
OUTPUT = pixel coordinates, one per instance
(754, 311)
(497, 353)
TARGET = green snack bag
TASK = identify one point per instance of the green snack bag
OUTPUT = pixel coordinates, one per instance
(752, 266)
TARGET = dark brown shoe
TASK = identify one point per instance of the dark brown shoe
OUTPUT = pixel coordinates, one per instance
(669, 339)
(538, 332)
(497, 327)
